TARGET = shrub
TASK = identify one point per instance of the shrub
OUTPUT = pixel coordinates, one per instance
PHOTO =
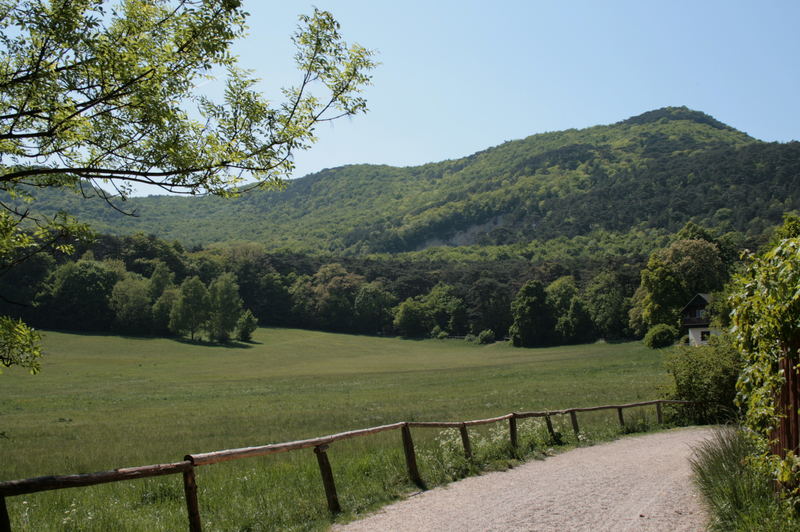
(486, 336)
(471, 338)
(660, 335)
(706, 374)
(246, 326)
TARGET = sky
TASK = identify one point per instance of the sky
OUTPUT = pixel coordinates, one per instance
(457, 77)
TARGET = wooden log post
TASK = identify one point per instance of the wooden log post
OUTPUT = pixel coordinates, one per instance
(621, 418)
(327, 479)
(659, 414)
(5, 522)
(411, 457)
(512, 429)
(573, 417)
(192, 508)
(465, 441)
(550, 429)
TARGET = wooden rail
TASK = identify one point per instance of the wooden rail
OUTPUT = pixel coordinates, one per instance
(320, 445)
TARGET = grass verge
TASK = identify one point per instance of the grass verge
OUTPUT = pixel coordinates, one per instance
(740, 496)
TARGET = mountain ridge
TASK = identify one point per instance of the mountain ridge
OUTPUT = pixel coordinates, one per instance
(658, 169)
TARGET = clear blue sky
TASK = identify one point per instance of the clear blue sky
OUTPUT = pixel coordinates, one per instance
(461, 76)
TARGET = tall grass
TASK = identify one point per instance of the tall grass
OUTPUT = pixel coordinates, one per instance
(739, 495)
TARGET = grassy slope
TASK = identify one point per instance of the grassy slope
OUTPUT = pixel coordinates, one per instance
(104, 402)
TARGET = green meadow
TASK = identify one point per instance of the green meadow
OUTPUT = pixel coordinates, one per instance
(103, 402)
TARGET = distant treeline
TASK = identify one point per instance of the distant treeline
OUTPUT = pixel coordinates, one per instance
(140, 284)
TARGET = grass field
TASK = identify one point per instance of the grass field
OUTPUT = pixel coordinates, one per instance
(103, 402)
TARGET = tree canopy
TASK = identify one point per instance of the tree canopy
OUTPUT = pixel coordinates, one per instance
(101, 96)
(106, 92)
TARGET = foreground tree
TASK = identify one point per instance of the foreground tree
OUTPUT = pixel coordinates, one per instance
(98, 93)
(766, 329)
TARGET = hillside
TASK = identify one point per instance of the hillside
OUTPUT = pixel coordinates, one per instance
(652, 172)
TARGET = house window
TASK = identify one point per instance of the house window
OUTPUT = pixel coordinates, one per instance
(705, 335)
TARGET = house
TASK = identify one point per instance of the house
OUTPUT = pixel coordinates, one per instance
(695, 319)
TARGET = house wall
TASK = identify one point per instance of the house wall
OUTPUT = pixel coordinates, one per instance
(696, 335)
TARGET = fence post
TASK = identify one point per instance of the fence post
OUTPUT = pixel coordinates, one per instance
(621, 419)
(327, 479)
(465, 441)
(192, 508)
(659, 415)
(5, 522)
(512, 429)
(550, 429)
(574, 418)
(411, 458)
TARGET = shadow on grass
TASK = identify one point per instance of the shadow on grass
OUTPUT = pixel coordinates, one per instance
(233, 344)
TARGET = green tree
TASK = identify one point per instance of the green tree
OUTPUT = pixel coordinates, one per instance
(161, 279)
(412, 319)
(766, 329)
(246, 326)
(335, 290)
(77, 296)
(19, 345)
(533, 318)
(607, 305)
(488, 304)
(446, 309)
(672, 277)
(94, 93)
(372, 306)
(130, 302)
(225, 307)
(162, 310)
(573, 323)
(190, 311)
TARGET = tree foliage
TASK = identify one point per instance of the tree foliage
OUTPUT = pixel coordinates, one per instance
(19, 345)
(533, 317)
(766, 328)
(97, 93)
(672, 277)
(592, 185)
(107, 93)
(706, 374)
(131, 303)
(225, 307)
(246, 326)
(190, 311)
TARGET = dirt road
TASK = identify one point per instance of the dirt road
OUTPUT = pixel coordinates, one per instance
(635, 483)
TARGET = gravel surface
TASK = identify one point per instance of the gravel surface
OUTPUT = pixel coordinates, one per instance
(635, 483)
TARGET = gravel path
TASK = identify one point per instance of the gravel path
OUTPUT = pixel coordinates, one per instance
(635, 483)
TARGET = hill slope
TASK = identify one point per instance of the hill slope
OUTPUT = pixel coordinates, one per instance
(656, 170)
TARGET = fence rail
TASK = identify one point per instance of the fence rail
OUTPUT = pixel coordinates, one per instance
(320, 445)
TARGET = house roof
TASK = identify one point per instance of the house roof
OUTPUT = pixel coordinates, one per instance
(698, 300)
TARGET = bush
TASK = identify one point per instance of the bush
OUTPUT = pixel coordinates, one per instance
(486, 336)
(470, 338)
(706, 374)
(246, 326)
(661, 335)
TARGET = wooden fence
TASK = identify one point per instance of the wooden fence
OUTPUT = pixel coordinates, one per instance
(320, 445)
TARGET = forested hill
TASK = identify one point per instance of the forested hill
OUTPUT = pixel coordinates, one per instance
(656, 170)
